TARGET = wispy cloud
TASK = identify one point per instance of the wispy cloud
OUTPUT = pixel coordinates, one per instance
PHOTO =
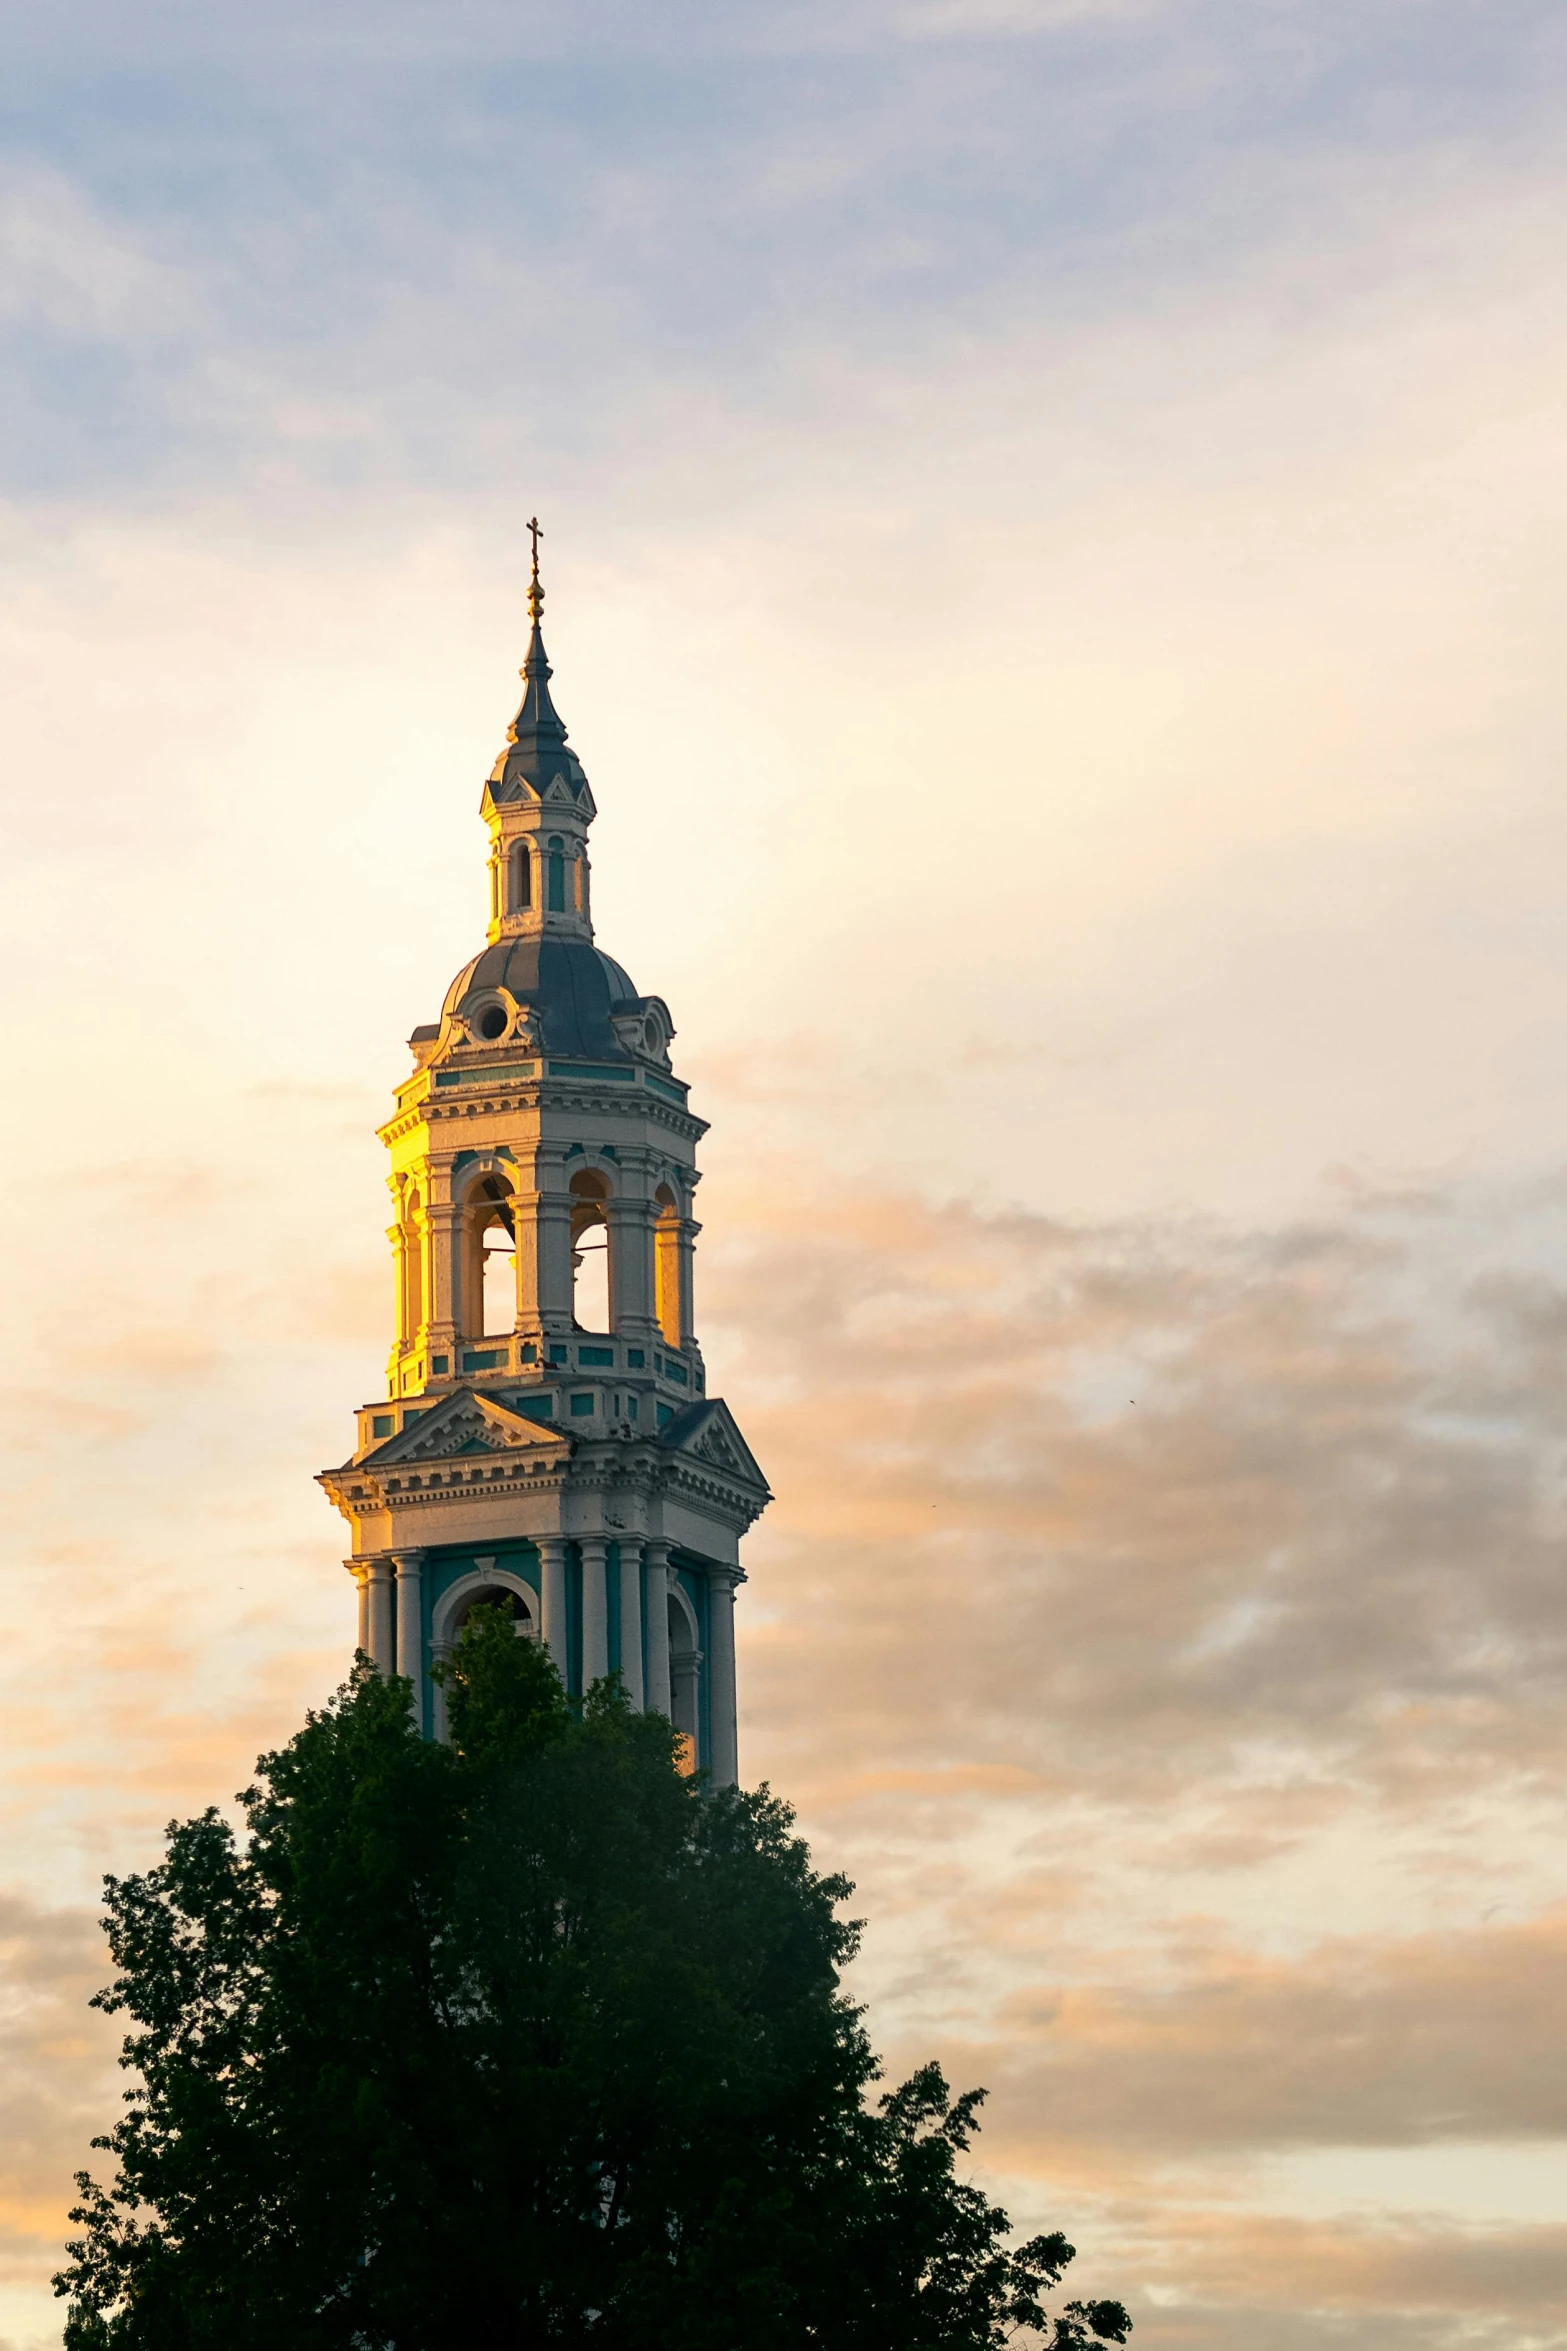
(1056, 575)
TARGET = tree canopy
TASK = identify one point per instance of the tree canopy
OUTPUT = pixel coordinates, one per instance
(520, 2039)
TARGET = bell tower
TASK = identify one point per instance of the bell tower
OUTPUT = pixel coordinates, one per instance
(547, 1440)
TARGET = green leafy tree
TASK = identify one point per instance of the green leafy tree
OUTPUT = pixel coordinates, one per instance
(520, 2040)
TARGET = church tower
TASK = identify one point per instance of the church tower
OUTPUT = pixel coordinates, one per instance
(547, 1440)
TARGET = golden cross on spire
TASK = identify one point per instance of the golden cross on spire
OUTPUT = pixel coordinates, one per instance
(535, 591)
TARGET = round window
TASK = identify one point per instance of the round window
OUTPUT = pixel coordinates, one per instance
(492, 1022)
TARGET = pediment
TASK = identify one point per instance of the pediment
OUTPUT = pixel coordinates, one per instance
(460, 1424)
(709, 1433)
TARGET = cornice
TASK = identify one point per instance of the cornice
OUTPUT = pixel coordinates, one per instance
(538, 1095)
(642, 1471)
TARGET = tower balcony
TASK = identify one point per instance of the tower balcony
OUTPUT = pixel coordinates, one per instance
(595, 1382)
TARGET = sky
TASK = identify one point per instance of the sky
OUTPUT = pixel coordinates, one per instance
(1054, 536)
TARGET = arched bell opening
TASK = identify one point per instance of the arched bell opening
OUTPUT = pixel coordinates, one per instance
(685, 1680)
(520, 886)
(666, 1266)
(591, 1289)
(489, 1261)
(555, 871)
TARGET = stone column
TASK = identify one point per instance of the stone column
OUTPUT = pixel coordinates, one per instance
(631, 1620)
(688, 1230)
(382, 1643)
(630, 1266)
(397, 1234)
(410, 1625)
(552, 1597)
(552, 1222)
(721, 1675)
(659, 1694)
(525, 1219)
(595, 1612)
(442, 1306)
(360, 1574)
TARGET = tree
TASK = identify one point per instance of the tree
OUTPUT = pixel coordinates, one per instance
(521, 2040)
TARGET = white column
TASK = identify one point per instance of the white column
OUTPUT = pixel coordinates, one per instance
(442, 1303)
(382, 1642)
(689, 1229)
(721, 1676)
(552, 1597)
(631, 1620)
(553, 1224)
(631, 1266)
(595, 1612)
(525, 1217)
(410, 1625)
(398, 1236)
(659, 1696)
(357, 1570)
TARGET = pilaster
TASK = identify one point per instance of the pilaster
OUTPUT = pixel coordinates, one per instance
(552, 1596)
(725, 1762)
(659, 1695)
(595, 1611)
(410, 1624)
(383, 1639)
(631, 1620)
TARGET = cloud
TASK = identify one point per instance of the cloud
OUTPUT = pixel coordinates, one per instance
(1057, 583)
(70, 266)
(57, 2066)
(1181, 1498)
(1357, 2284)
(1140, 1598)
(1380, 2041)
(948, 19)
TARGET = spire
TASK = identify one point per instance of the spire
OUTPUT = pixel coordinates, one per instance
(537, 727)
(536, 753)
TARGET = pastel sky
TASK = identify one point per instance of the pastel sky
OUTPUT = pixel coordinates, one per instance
(1056, 536)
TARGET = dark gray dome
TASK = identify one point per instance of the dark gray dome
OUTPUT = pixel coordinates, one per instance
(570, 986)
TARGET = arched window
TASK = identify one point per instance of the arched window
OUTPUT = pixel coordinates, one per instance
(557, 876)
(521, 877)
(590, 1275)
(666, 1266)
(489, 1262)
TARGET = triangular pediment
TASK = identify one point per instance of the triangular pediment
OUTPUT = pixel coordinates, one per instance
(463, 1423)
(709, 1433)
